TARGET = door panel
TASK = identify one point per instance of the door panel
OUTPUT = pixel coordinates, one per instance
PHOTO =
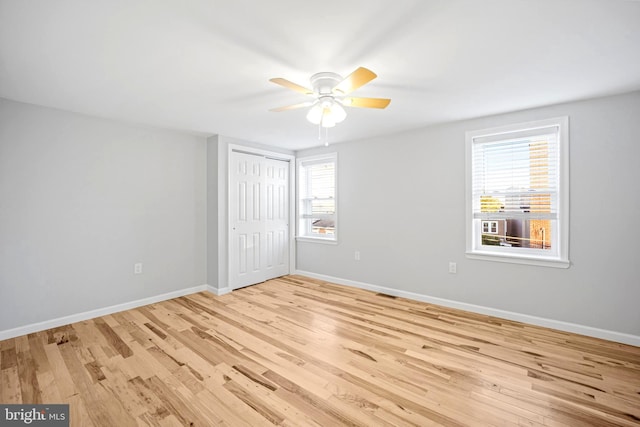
(245, 220)
(277, 220)
(259, 219)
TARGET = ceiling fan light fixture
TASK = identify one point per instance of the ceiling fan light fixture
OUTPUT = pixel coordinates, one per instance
(337, 112)
(327, 122)
(315, 114)
(326, 113)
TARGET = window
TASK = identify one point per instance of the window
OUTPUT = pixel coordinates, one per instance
(317, 198)
(517, 193)
(489, 227)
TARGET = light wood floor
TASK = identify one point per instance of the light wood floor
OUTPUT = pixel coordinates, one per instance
(295, 351)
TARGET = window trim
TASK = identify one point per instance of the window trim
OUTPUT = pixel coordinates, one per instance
(331, 239)
(503, 254)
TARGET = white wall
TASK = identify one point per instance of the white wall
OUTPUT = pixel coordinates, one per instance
(81, 200)
(402, 201)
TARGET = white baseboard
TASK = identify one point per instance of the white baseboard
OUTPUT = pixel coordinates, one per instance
(54, 323)
(509, 315)
(218, 292)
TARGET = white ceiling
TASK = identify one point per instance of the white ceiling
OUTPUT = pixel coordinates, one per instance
(203, 65)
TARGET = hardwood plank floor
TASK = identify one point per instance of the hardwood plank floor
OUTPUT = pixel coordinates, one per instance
(301, 352)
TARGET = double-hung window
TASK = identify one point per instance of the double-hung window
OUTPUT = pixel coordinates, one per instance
(518, 193)
(317, 219)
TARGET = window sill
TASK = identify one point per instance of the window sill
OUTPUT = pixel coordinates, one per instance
(317, 240)
(542, 262)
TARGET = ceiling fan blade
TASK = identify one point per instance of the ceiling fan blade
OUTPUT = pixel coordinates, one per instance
(366, 102)
(291, 85)
(293, 107)
(353, 81)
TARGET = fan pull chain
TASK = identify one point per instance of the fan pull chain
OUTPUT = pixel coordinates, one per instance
(326, 134)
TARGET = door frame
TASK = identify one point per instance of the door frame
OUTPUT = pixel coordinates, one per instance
(292, 200)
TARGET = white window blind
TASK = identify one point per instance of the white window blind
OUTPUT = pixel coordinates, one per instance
(321, 188)
(516, 176)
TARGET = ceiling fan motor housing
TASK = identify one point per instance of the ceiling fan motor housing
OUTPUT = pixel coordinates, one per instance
(323, 83)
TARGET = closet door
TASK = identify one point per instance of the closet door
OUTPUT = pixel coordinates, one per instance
(277, 218)
(259, 218)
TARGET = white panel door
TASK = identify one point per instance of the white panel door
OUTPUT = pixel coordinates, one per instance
(259, 219)
(277, 218)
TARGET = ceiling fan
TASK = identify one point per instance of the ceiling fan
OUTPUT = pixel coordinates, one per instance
(329, 92)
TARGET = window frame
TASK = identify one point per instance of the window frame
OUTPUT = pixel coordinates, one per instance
(474, 247)
(307, 237)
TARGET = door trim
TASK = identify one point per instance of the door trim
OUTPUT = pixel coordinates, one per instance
(292, 199)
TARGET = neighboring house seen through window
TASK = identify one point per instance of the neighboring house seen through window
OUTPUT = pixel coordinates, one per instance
(489, 227)
(517, 193)
(317, 198)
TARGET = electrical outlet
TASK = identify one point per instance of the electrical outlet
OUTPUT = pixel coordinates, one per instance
(452, 267)
(137, 268)
(356, 255)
